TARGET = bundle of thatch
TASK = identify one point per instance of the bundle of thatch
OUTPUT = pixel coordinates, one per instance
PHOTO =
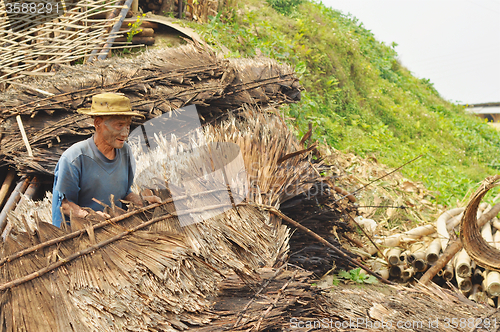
(156, 82)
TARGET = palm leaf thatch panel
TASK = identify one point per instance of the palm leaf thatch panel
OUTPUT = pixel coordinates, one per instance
(159, 277)
(157, 82)
(32, 44)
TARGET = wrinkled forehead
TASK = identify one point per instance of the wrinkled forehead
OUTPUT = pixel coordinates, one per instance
(117, 119)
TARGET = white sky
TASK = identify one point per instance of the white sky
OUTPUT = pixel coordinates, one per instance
(454, 43)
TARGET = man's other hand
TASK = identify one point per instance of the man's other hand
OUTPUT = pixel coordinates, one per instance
(152, 199)
(102, 214)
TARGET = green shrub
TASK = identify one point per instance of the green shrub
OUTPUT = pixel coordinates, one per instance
(284, 6)
(360, 98)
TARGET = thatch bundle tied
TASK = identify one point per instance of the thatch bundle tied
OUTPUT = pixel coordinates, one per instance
(156, 82)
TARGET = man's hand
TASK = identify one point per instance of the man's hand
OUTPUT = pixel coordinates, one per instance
(148, 196)
(152, 199)
(102, 214)
(72, 208)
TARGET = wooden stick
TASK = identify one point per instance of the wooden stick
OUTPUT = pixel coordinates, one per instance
(114, 29)
(12, 201)
(6, 185)
(31, 190)
(323, 241)
(23, 134)
(99, 245)
(69, 236)
(455, 247)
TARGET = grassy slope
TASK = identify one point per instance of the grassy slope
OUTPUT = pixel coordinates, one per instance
(359, 97)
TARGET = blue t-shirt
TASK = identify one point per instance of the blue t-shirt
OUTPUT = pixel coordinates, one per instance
(83, 172)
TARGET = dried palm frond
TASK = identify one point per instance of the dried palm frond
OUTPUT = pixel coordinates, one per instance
(476, 246)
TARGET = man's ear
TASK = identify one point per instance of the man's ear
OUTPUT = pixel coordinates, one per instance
(98, 120)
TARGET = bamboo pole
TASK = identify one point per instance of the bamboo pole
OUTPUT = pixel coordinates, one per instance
(393, 256)
(9, 178)
(476, 292)
(407, 273)
(396, 270)
(404, 256)
(492, 278)
(464, 284)
(448, 272)
(454, 222)
(28, 194)
(496, 223)
(23, 134)
(478, 276)
(441, 224)
(418, 260)
(462, 264)
(492, 283)
(111, 17)
(115, 29)
(31, 190)
(384, 273)
(409, 236)
(455, 247)
(99, 245)
(12, 201)
(432, 253)
(135, 7)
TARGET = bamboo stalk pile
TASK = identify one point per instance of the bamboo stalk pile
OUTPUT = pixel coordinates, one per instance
(34, 44)
(156, 82)
(473, 269)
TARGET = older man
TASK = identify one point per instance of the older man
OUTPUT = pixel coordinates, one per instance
(100, 166)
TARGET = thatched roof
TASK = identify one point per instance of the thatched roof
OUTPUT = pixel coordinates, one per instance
(156, 82)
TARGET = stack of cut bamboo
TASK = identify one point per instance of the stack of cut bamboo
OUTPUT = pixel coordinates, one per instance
(405, 257)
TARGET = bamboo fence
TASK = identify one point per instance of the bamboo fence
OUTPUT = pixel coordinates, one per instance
(39, 44)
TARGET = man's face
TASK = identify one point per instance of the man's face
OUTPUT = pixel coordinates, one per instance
(115, 130)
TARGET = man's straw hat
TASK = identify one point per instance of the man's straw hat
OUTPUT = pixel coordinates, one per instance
(110, 104)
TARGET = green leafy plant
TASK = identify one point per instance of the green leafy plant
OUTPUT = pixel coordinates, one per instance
(357, 276)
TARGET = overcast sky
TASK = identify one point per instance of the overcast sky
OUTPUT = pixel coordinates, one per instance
(454, 43)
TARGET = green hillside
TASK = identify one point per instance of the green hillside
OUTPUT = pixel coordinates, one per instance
(358, 96)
